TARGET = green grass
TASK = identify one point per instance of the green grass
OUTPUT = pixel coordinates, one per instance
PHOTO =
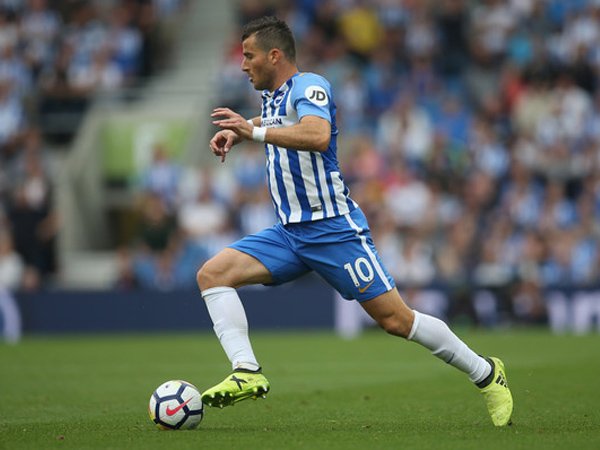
(376, 392)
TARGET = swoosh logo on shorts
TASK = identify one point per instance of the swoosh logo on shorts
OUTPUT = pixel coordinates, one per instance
(173, 411)
(363, 289)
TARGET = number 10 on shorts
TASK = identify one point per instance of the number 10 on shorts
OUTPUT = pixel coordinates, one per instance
(362, 268)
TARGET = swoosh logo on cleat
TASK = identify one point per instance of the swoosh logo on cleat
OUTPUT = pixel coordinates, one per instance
(363, 289)
(173, 411)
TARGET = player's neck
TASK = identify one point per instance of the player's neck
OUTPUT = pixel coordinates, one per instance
(284, 75)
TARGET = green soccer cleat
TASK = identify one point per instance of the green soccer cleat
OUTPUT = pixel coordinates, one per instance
(497, 395)
(238, 386)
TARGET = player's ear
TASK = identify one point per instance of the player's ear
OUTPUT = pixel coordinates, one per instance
(275, 55)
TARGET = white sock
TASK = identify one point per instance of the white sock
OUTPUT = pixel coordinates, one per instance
(231, 326)
(435, 335)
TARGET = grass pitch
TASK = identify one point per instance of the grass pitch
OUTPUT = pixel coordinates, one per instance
(375, 392)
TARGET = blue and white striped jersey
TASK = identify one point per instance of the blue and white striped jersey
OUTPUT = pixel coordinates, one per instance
(305, 185)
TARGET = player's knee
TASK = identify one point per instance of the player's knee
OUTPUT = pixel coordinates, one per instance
(208, 276)
(201, 278)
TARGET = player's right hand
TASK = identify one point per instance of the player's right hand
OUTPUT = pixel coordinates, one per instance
(222, 142)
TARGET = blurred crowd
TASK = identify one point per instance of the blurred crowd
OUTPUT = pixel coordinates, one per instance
(55, 57)
(470, 136)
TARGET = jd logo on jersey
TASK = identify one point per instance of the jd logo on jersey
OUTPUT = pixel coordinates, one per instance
(316, 95)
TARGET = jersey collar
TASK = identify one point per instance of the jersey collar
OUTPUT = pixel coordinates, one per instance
(281, 89)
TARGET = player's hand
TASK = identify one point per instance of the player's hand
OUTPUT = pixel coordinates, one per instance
(222, 142)
(227, 119)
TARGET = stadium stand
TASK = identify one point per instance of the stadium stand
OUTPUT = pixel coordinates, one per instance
(56, 60)
(469, 135)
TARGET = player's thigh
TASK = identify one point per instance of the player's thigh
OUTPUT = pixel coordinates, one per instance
(274, 250)
(390, 312)
(232, 268)
(348, 260)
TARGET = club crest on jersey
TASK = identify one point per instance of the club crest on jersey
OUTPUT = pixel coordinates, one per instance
(316, 95)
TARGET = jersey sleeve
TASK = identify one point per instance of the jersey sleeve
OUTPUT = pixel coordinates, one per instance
(311, 96)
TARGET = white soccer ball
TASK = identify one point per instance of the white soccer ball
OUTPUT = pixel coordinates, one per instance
(176, 405)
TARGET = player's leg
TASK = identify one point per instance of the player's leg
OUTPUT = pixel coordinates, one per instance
(394, 316)
(232, 268)
(261, 258)
(348, 260)
(218, 279)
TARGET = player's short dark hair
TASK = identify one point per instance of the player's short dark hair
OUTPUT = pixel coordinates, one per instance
(270, 32)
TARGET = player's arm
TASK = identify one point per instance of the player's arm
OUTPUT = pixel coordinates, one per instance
(255, 121)
(227, 137)
(223, 140)
(312, 133)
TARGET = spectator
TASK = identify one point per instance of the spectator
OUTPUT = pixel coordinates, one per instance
(408, 198)
(40, 30)
(256, 210)
(124, 42)
(201, 216)
(157, 228)
(101, 73)
(452, 22)
(11, 263)
(557, 211)
(9, 29)
(33, 220)
(415, 265)
(126, 278)
(162, 177)
(361, 29)
(12, 119)
(406, 129)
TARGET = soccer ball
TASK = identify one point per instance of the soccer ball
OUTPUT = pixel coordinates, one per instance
(176, 405)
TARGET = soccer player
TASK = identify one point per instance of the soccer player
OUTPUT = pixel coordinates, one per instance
(320, 227)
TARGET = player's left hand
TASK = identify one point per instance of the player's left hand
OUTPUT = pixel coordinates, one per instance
(230, 120)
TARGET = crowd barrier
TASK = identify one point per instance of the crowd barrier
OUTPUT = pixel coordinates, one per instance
(307, 303)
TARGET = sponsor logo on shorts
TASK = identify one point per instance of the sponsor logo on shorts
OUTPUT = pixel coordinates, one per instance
(363, 289)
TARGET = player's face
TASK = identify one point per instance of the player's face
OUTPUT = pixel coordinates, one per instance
(256, 65)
